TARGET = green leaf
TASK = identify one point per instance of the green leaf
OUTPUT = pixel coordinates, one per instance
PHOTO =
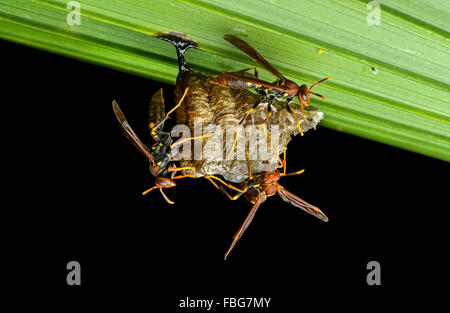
(391, 81)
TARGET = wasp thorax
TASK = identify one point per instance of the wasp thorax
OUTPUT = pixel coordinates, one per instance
(290, 85)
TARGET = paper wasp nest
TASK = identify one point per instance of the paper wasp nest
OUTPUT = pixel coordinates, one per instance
(222, 108)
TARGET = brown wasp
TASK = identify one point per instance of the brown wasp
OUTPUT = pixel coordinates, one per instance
(265, 184)
(281, 89)
(160, 153)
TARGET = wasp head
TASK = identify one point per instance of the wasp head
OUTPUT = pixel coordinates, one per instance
(304, 92)
(164, 182)
(270, 177)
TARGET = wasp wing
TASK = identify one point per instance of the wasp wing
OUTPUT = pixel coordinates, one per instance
(246, 78)
(249, 50)
(260, 199)
(157, 110)
(300, 203)
(130, 134)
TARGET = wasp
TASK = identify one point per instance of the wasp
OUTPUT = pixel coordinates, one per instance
(160, 153)
(257, 188)
(281, 89)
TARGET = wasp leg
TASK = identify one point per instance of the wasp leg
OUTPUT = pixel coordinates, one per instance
(284, 167)
(263, 123)
(154, 129)
(184, 176)
(224, 183)
(269, 109)
(235, 197)
(288, 108)
(241, 122)
(180, 141)
(223, 189)
(269, 141)
(176, 169)
(250, 176)
(179, 102)
(261, 100)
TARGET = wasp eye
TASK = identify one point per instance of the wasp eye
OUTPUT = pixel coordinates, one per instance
(304, 98)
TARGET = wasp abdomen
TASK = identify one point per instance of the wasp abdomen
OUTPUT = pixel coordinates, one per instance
(232, 82)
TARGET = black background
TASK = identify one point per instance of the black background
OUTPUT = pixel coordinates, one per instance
(76, 186)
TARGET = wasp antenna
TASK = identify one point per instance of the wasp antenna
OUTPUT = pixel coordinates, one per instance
(148, 190)
(320, 81)
(320, 96)
(295, 173)
(165, 197)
